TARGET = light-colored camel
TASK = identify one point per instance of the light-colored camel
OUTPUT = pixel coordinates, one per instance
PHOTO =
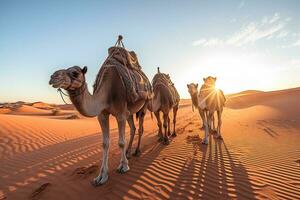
(110, 98)
(165, 98)
(208, 101)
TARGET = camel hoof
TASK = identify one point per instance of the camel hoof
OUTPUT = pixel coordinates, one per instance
(160, 139)
(218, 137)
(128, 154)
(166, 141)
(123, 169)
(98, 181)
(174, 134)
(202, 128)
(137, 153)
(205, 142)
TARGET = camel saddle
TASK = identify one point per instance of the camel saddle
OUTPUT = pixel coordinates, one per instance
(134, 80)
(164, 79)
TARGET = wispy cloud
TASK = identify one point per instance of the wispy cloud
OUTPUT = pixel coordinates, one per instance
(297, 43)
(267, 28)
(208, 42)
(283, 34)
(272, 19)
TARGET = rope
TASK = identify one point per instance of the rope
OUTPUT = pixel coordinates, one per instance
(119, 42)
(61, 95)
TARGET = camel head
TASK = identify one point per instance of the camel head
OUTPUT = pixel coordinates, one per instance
(69, 79)
(211, 81)
(193, 88)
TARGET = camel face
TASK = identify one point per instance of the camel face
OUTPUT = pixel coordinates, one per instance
(210, 80)
(68, 79)
(192, 88)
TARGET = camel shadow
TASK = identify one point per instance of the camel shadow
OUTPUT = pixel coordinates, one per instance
(212, 173)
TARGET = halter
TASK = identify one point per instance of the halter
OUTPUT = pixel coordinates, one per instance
(71, 92)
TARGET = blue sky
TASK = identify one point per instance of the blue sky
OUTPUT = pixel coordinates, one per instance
(246, 44)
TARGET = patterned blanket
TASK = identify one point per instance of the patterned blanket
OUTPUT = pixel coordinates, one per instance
(164, 79)
(126, 63)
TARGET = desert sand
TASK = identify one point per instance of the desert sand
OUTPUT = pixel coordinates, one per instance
(54, 156)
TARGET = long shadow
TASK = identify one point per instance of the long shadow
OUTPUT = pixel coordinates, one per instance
(216, 175)
(24, 169)
(56, 163)
(149, 178)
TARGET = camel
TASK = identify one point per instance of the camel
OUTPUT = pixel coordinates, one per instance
(165, 98)
(208, 101)
(109, 98)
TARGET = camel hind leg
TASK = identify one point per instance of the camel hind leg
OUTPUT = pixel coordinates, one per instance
(169, 129)
(159, 124)
(132, 134)
(219, 124)
(213, 122)
(165, 125)
(141, 116)
(175, 109)
(123, 167)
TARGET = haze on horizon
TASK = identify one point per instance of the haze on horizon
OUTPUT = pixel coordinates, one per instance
(245, 44)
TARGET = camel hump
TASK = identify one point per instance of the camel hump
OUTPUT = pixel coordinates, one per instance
(164, 79)
(125, 58)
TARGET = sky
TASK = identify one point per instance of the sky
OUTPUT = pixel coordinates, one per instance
(246, 44)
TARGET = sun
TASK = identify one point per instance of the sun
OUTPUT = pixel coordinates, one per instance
(235, 71)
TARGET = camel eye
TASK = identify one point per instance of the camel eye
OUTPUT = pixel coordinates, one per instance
(75, 74)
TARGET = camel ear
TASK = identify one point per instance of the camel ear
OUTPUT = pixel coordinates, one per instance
(204, 79)
(188, 85)
(84, 70)
(197, 85)
(215, 78)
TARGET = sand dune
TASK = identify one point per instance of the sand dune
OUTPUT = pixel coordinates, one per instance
(46, 158)
(42, 105)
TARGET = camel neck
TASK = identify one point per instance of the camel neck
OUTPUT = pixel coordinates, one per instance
(85, 103)
(195, 99)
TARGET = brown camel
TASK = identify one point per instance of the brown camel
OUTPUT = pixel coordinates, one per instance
(208, 101)
(165, 98)
(109, 97)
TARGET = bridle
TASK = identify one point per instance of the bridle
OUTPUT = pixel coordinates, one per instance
(73, 93)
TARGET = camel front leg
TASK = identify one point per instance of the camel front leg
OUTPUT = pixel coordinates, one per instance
(132, 134)
(205, 124)
(140, 131)
(219, 124)
(166, 138)
(103, 174)
(159, 124)
(175, 109)
(123, 167)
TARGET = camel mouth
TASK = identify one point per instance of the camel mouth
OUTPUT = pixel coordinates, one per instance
(55, 83)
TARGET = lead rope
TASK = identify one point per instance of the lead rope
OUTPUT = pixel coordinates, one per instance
(59, 90)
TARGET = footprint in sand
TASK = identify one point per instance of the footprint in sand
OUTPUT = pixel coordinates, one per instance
(86, 170)
(40, 190)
